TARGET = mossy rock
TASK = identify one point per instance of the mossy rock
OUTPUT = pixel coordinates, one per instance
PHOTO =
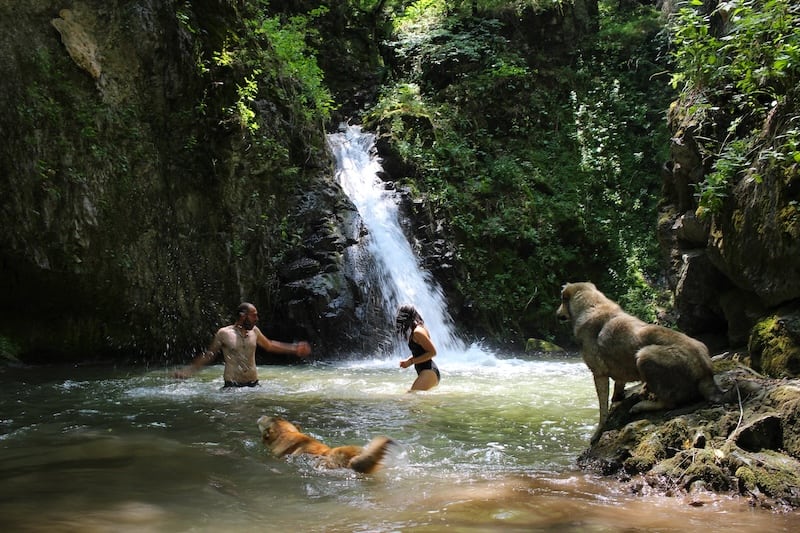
(775, 344)
(692, 465)
(771, 475)
(542, 346)
(658, 446)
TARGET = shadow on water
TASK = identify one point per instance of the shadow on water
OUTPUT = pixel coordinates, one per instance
(492, 448)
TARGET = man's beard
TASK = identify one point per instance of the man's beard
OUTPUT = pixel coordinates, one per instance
(247, 324)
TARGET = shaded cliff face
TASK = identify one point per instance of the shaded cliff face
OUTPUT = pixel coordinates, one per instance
(138, 205)
(741, 266)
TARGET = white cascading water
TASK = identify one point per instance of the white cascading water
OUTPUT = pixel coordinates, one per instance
(401, 278)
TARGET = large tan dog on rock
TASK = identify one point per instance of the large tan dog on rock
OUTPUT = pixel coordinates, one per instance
(675, 368)
(284, 438)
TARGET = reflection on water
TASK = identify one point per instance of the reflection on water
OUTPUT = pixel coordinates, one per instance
(492, 448)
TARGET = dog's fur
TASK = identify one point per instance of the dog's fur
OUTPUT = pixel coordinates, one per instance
(284, 438)
(675, 368)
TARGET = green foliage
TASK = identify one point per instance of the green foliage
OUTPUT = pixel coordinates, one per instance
(787, 150)
(290, 43)
(429, 13)
(402, 99)
(712, 192)
(9, 350)
(543, 172)
(273, 60)
(742, 57)
(247, 93)
(753, 45)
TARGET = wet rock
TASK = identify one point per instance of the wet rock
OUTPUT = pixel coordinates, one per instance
(299, 269)
(750, 446)
(775, 343)
(80, 44)
(762, 432)
(542, 346)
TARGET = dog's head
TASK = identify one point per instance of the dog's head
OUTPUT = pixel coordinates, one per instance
(272, 427)
(568, 293)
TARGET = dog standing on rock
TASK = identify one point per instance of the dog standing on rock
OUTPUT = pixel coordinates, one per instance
(675, 368)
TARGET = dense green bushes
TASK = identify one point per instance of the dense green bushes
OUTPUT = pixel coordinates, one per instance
(543, 165)
(737, 60)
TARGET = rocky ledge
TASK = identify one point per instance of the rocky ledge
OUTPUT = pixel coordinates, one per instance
(750, 447)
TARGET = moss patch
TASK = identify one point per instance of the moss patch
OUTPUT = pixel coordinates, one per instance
(774, 345)
(771, 476)
(540, 345)
(693, 465)
(789, 220)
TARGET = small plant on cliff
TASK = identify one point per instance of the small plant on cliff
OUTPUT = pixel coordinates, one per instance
(290, 42)
(712, 192)
(9, 350)
(247, 93)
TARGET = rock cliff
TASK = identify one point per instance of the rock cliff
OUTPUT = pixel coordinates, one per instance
(138, 206)
(736, 271)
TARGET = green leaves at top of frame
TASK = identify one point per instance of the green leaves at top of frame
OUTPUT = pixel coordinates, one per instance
(749, 46)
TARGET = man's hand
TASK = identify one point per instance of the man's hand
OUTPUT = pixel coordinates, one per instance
(302, 349)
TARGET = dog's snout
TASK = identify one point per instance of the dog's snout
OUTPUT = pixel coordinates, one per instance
(562, 313)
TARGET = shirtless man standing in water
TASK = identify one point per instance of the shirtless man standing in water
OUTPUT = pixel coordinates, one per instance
(238, 344)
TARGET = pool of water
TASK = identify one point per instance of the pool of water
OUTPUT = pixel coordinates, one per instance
(492, 448)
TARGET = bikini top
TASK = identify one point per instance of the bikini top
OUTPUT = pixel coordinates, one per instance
(416, 349)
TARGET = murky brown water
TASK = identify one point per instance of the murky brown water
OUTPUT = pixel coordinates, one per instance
(492, 449)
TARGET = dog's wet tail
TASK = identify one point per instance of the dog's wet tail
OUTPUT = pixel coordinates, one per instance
(371, 457)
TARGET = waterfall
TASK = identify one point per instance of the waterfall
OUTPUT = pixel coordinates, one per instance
(397, 269)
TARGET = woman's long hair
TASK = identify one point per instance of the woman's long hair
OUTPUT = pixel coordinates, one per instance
(407, 319)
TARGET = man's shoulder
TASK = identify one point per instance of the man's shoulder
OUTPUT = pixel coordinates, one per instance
(226, 330)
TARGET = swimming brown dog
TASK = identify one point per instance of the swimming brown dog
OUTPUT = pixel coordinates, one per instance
(284, 438)
(675, 368)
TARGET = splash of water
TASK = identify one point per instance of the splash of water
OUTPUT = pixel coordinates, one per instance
(401, 278)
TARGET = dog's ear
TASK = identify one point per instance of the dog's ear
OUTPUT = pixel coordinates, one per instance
(567, 290)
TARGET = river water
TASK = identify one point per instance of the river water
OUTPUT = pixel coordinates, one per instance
(493, 448)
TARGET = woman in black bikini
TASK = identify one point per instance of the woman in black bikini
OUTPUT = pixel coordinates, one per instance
(409, 322)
